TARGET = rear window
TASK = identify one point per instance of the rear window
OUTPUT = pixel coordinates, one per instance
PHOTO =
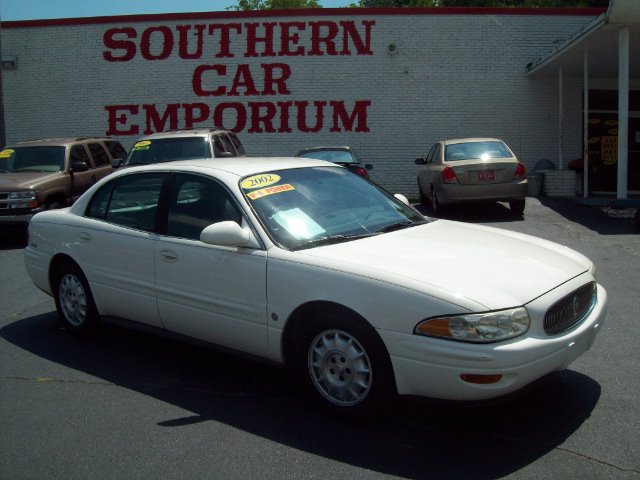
(168, 149)
(336, 156)
(473, 150)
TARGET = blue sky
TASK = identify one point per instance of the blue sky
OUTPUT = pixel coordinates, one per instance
(39, 9)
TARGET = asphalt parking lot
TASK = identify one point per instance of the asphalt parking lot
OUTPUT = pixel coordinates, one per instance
(125, 405)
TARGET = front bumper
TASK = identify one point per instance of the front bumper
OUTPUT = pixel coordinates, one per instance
(23, 219)
(433, 367)
(21, 216)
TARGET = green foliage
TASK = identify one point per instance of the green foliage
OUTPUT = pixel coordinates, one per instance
(274, 4)
(482, 3)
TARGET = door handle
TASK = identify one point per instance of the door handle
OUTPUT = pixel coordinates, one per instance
(84, 237)
(169, 256)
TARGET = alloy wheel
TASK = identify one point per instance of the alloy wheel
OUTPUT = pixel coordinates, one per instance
(73, 300)
(340, 368)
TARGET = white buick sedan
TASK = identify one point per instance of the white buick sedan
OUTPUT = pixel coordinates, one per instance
(306, 264)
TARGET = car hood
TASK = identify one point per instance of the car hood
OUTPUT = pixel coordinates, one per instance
(18, 180)
(492, 267)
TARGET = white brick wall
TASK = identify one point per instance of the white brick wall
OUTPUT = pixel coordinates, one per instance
(450, 76)
(559, 183)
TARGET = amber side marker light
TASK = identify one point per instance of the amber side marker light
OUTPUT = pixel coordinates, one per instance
(480, 379)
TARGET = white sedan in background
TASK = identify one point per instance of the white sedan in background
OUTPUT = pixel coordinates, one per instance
(303, 263)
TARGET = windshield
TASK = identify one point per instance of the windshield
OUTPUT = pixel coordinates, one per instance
(307, 207)
(168, 149)
(335, 156)
(473, 150)
(32, 159)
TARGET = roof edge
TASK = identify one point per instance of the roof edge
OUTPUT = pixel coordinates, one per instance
(578, 37)
(310, 12)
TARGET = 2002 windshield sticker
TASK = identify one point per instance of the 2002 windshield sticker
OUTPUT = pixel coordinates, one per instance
(265, 182)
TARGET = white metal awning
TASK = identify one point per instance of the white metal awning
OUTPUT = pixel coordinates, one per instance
(607, 48)
(600, 39)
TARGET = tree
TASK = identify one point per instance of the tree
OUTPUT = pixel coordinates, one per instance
(481, 3)
(274, 4)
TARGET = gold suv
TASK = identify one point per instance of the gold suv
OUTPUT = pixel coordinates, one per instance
(45, 174)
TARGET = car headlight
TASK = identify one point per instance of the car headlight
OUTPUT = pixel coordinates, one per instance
(24, 195)
(23, 199)
(477, 327)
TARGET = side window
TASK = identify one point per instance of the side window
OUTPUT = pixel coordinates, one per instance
(430, 154)
(218, 147)
(222, 144)
(134, 201)
(196, 202)
(116, 149)
(99, 154)
(79, 154)
(100, 202)
(237, 144)
(436, 154)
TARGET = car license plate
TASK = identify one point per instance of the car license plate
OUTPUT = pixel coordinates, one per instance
(486, 176)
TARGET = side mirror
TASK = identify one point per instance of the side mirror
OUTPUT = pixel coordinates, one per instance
(368, 166)
(117, 162)
(228, 234)
(420, 161)
(402, 198)
(78, 167)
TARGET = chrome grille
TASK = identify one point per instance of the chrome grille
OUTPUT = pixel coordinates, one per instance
(570, 310)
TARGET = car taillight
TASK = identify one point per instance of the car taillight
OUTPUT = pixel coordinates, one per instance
(360, 171)
(521, 172)
(449, 176)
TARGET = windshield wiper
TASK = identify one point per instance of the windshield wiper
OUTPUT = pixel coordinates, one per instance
(31, 170)
(399, 226)
(331, 240)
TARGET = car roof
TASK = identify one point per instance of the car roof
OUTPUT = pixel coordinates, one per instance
(59, 142)
(183, 133)
(470, 140)
(319, 149)
(240, 166)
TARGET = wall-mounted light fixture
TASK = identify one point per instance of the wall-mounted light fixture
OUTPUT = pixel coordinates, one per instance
(392, 48)
(9, 62)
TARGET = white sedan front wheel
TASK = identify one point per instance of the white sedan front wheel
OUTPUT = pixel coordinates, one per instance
(340, 368)
(344, 363)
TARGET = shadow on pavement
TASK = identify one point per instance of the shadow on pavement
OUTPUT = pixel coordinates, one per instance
(12, 238)
(485, 212)
(600, 220)
(594, 218)
(415, 440)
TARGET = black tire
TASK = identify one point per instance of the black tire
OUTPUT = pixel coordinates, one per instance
(423, 198)
(517, 206)
(54, 204)
(74, 301)
(436, 208)
(344, 364)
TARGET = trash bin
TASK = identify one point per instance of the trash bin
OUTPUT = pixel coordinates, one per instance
(534, 186)
(544, 164)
